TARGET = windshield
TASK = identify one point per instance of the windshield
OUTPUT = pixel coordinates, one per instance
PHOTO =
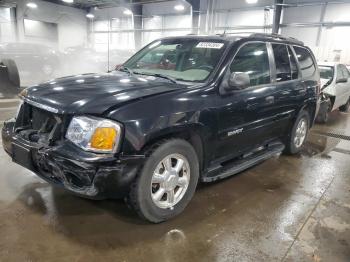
(326, 72)
(180, 59)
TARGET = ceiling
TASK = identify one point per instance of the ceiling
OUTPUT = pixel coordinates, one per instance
(86, 4)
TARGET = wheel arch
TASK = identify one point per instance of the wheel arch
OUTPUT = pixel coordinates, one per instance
(192, 134)
(310, 108)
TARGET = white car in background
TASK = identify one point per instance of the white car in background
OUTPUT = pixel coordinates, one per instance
(335, 89)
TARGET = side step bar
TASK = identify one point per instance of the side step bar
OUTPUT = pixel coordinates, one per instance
(243, 163)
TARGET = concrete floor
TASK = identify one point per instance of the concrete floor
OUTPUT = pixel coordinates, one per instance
(289, 208)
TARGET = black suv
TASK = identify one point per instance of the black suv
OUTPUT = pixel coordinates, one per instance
(181, 110)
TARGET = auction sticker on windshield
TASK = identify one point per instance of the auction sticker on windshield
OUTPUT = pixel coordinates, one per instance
(210, 45)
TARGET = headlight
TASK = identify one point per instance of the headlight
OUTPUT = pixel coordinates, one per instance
(94, 134)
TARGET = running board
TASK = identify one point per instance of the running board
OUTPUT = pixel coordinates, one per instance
(243, 163)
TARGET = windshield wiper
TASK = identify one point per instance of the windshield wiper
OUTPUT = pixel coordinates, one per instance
(158, 75)
(126, 69)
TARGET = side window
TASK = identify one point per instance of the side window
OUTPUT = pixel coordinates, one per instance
(339, 72)
(283, 70)
(253, 60)
(293, 64)
(306, 62)
(345, 71)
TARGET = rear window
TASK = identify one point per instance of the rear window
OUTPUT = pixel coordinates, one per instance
(306, 62)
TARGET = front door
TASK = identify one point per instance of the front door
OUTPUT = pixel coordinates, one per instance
(246, 117)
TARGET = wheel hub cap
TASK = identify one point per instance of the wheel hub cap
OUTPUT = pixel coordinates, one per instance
(300, 133)
(170, 181)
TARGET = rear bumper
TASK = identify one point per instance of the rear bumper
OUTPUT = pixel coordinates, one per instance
(95, 176)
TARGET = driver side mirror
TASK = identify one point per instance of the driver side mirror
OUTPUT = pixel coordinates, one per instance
(342, 80)
(237, 81)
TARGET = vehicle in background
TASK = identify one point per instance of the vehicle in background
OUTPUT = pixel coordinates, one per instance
(9, 79)
(181, 110)
(80, 59)
(35, 62)
(335, 90)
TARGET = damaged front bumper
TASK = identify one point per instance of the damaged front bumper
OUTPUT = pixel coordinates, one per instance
(91, 175)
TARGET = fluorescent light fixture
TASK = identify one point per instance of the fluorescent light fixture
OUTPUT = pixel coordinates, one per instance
(179, 7)
(251, 1)
(89, 15)
(127, 12)
(32, 5)
(68, 1)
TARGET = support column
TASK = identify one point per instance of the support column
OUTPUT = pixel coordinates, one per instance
(277, 16)
(137, 16)
(195, 15)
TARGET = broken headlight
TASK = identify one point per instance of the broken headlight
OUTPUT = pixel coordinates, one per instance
(94, 134)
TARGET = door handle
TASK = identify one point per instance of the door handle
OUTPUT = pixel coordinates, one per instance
(270, 100)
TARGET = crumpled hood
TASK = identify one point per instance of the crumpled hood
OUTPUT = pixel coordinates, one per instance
(323, 81)
(95, 93)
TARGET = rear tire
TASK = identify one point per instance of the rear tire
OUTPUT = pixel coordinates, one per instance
(298, 134)
(345, 108)
(12, 72)
(160, 192)
(324, 114)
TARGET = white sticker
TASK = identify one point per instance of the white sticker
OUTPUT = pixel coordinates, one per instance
(210, 45)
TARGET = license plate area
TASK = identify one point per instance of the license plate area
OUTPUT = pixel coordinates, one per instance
(22, 156)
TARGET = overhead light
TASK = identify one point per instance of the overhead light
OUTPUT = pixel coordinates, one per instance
(32, 5)
(127, 12)
(68, 1)
(179, 7)
(89, 15)
(251, 1)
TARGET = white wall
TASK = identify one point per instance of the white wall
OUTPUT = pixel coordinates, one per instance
(113, 20)
(164, 8)
(72, 23)
(236, 14)
(332, 38)
(7, 29)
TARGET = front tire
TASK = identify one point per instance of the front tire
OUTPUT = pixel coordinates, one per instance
(298, 134)
(345, 108)
(167, 181)
(324, 114)
(12, 71)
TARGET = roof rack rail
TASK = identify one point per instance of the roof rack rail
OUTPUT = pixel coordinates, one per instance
(278, 36)
(234, 33)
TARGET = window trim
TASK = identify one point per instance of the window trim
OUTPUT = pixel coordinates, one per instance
(275, 69)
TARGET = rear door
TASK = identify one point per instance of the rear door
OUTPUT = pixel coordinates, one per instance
(290, 91)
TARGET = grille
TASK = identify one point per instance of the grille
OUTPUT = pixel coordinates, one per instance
(42, 120)
(35, 124)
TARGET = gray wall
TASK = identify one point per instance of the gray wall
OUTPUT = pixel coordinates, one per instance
(72, 23)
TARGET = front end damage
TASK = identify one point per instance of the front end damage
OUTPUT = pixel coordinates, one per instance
(35, 140)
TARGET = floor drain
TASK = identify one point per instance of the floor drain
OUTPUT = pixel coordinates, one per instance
(330, 134)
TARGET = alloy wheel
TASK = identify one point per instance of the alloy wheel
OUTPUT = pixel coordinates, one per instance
(170, 181)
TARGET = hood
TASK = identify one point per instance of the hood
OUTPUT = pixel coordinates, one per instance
(95, 93)
(323, 82)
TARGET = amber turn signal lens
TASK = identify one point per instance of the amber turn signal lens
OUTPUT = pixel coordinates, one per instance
(103, 138)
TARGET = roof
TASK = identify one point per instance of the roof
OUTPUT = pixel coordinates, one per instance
(232, 37)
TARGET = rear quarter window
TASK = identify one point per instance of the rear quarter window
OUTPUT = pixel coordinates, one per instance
(307, 65)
